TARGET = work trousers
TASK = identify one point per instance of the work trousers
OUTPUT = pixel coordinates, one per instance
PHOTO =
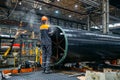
(46, 56)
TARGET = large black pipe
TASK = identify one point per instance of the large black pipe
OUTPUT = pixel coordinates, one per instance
(72, 45)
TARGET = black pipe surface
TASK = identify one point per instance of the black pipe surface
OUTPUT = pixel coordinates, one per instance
(72, 45)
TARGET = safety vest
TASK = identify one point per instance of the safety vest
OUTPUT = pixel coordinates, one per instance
(44, 26)
(45, 38)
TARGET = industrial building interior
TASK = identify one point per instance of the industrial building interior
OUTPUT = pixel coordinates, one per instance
(85, 39)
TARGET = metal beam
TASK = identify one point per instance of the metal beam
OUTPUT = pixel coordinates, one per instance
(91, 3)
(114, 18)
(60, 7)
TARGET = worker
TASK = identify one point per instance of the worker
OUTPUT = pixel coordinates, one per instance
(20, 34)
(46, 44)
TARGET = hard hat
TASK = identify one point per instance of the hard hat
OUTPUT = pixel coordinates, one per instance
(44, 18)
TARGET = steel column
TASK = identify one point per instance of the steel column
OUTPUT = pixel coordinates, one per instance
(88, 20)
(105, 16)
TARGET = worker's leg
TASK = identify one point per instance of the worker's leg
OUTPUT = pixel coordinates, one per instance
(44, 56)
(49, 53)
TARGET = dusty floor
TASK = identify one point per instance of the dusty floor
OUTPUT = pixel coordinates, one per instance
(41, 76)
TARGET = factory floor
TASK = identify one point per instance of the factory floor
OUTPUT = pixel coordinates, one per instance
(41, 76)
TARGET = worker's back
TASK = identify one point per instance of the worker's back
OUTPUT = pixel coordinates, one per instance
(45, 38)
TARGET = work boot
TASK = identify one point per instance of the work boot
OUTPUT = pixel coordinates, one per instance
(48, 71)
(43, 70)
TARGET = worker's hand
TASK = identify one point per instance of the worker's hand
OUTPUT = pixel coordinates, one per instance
(17, 34)
(24, 32)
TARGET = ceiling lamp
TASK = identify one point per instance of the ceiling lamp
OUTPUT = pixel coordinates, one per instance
(70, 16)
(58, 0)
(40, 8)
(20, 3)
(56, 11)
(76, 5)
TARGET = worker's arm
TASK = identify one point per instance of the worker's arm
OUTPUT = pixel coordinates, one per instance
(50, 31)
(19, 32)
(23, 32)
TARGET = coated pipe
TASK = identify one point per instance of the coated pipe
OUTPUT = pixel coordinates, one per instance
(72, 45)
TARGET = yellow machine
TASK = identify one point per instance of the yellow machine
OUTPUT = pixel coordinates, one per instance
(38, 55)
(6, 53)
(41, 57)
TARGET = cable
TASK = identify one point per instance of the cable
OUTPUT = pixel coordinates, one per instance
(4, 13)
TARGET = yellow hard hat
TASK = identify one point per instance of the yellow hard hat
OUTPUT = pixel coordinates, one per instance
(44, 18)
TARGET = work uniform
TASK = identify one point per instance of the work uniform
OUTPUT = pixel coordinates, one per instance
(46, 46)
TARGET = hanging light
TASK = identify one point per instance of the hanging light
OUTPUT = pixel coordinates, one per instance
(58, 0)
(69, 16)
(76, 5)
(40, 8)
(56, 11)
(20, 3)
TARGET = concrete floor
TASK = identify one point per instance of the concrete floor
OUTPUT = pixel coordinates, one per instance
(41, 76)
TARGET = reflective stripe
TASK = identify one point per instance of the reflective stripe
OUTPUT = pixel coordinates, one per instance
(47, 61)
(44, 26)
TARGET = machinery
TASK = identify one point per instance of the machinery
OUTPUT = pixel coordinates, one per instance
(11, 51)
(72, 45)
